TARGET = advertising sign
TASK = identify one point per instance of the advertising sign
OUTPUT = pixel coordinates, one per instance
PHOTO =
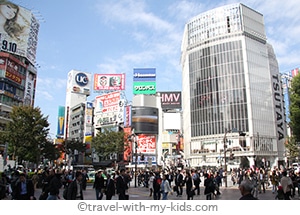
(61, 121)
(144, 88)
(109, 82)
(107, 102)
(127, 118)
(79, 82)
(89, 114)
(29, 89)
(127, 146)
(19, 33)
(146, 144)
(144, 74)
(170, 100)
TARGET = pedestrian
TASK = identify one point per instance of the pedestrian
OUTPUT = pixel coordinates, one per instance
(165, 187)
(274, 181)
(246, 188)
(75, 188)
(209, 186)
(122, 185)
(85, 178)
(35, 179)
(197, 181)
(99, 185)
(151, 179)
(189, 184)
(287, 184)
(157, 186)
(179, 182)
(53, 187)
(24, 188)
(110, 190)
(261, 181)
(280, 194)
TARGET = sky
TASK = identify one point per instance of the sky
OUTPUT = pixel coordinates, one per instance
(116, 36)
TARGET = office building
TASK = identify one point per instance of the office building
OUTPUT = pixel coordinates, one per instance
(232, 100)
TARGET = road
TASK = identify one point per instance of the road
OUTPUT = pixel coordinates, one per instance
(142, 193)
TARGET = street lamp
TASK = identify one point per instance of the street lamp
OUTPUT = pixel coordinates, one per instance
(241, 133)
(225, 164)
(132, 138)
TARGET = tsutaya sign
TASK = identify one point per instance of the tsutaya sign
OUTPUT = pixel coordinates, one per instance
(279, 110)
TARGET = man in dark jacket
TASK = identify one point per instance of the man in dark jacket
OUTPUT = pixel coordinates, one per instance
(122, 185)
(53, 186)
(24, 188)
(99, 185)
(75, 188)
(179, 182)
(110, 187)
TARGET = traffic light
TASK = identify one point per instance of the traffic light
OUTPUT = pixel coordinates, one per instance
(231, 157)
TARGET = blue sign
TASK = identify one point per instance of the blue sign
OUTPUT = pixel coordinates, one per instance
(81, 79)
(144, 74)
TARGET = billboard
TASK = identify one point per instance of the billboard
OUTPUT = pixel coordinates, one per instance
(79, 82)
(61, 121)
(107, 102)
(29, 89)
(109, 81)
(170, 100)
(127, 116)
(89, 114)
(18, 31)
(109, 109)
(144, 74)
(144, 120)
(146, 144)
(144, 88)
(127, 146)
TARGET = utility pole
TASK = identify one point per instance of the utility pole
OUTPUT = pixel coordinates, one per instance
(225, 164)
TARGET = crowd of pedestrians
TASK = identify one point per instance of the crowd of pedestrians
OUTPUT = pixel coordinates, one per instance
(63, 184)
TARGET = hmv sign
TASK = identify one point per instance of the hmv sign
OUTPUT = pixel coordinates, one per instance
(170, 100)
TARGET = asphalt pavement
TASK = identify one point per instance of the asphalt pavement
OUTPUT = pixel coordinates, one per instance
(231, 192)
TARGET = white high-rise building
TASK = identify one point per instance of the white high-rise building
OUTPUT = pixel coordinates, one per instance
(232, 94)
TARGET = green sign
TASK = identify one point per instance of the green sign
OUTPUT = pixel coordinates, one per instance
(144, 87)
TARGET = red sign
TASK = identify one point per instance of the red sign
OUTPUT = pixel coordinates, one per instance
(146, 144)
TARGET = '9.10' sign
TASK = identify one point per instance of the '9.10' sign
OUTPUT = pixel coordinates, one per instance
(81, 79)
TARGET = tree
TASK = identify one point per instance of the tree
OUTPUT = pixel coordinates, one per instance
(71, 145)
(295, 108)
(27, 135)
(108, 143)
(292, 149)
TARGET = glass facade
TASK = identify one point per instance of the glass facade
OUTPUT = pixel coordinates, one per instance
(228, 88)
(217, 89)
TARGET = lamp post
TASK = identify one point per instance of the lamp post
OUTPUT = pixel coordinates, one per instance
(132, 138)
(225, 164)
(241, 133)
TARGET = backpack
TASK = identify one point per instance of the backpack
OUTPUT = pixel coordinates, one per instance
(158, 181)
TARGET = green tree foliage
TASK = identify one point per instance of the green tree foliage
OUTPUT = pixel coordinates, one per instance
(292, 148)
(73, 144)
(109, 142)
(295, 108)
(27, 135)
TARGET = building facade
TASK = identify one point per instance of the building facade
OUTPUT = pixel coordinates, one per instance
(233, 101)
(18, 72)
